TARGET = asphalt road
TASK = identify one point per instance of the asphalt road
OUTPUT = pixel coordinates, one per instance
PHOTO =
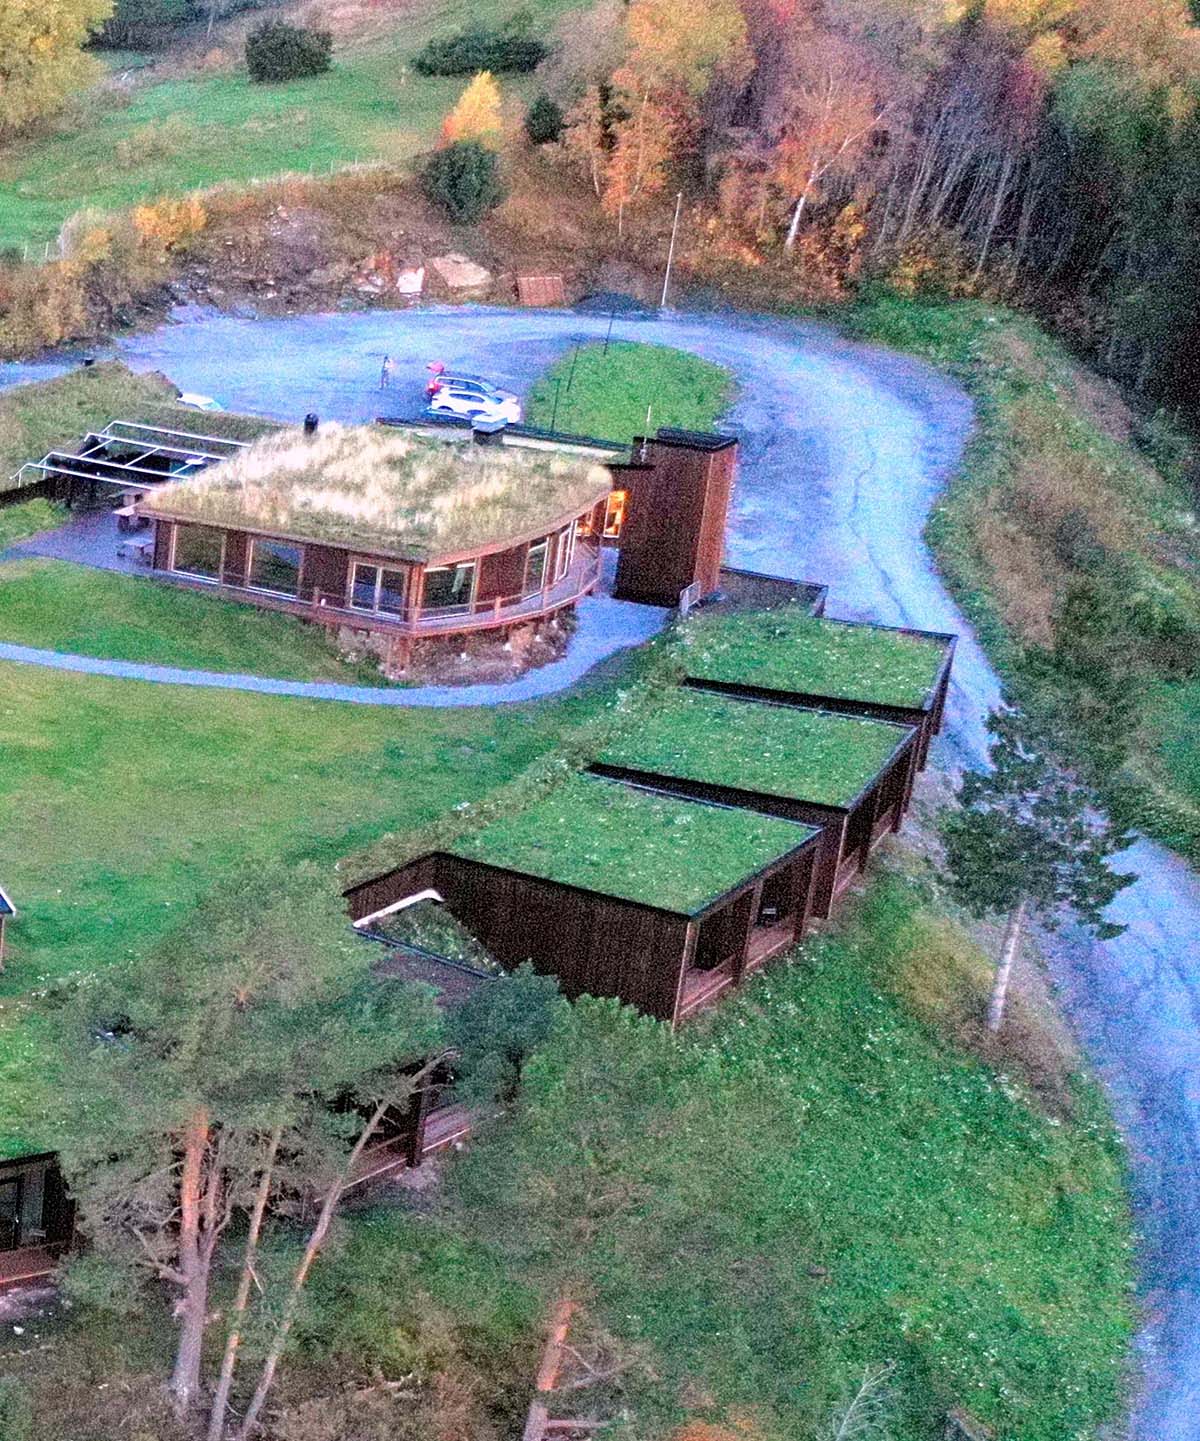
(844, 450)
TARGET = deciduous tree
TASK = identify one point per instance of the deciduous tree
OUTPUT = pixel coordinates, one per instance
(477, 115)
(1028, 837)
(41, 56)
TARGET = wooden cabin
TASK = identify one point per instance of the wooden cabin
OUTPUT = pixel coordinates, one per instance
(7, 912)
(674, 509)
(792, 657)
(659, 901)
(387, 533)
(851, 776)
(37, 1218)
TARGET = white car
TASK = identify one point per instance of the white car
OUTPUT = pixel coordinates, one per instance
(473, 404)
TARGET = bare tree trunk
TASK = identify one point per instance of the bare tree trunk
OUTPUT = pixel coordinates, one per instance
(291, 1305)
(993, 220)
(193, 1304)
(1008, 954)
(216, 1420)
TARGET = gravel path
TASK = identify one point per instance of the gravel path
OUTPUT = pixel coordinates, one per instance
(845, 449)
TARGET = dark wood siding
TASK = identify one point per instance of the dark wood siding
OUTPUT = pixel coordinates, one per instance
(164, 532)
(674, 531)
(595, 945)
(370, 896)
(500, 575)
(237, 552)
(326, 570)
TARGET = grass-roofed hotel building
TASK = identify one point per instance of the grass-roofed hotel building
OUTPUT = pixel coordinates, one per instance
(386, 532)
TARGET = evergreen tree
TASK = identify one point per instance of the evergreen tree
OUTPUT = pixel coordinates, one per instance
(1028, 837)
(229, 1069)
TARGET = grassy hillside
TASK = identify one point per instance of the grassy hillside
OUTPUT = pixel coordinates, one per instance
(94, 612)
(36, 418)
(1070, 538)
(180, 134)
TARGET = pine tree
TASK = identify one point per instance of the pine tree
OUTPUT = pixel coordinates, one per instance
(1028, 837)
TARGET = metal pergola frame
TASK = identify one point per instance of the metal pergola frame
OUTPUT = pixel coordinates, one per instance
(196, 453)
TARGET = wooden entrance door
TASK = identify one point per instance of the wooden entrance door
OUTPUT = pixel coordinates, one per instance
(10, 1213)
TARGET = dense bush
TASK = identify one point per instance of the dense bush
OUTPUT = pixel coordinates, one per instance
(278, 51)
(464, 179)
(152, 23)
(544, 121)
(511, 48)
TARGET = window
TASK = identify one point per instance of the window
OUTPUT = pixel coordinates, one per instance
(614, 515)
(449, 585)
(535, 566)
(565, 552)
(198, 551)
(275, 565)
(378, 587)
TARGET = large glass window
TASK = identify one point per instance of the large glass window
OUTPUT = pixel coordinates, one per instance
(275, 565)
(614, 514)
(449, 585)
(198, 551)
(565, 551)
(535, 566)
(378, 587)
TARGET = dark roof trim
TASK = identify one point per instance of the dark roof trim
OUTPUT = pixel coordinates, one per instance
(6, 906)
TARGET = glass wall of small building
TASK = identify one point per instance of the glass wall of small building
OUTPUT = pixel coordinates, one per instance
(295, 570)
(30, 1203)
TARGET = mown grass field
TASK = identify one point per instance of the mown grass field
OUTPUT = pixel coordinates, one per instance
(1070, 538)
(183, 134)
(607, 394)
(73, 608)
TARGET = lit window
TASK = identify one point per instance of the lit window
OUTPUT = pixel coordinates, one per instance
(275, 565)
(198, 551)
(614, 516)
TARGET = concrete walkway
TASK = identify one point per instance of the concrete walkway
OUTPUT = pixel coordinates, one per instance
(605, 627)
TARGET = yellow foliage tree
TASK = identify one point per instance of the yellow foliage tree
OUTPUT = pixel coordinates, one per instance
(41, 56)
(477, 115)
(681, 48)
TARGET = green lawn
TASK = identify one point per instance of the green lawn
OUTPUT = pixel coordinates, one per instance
(124, 801)
(37, 418)
(809, 755)
(1173, 731)
(28, 517)
(178, 135)
(59, 606)
(606, 395)
(608, 837)
(808, 1182)
(788, 649)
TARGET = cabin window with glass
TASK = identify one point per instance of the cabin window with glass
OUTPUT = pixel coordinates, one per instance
(198, 552)
(614, 514)
(535, 566)
(565, 553)
(378, 588)
(275, 565)
(449, 586)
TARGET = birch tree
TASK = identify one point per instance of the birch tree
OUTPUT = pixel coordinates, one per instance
(1028, 839)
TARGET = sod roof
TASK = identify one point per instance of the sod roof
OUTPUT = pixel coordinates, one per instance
(806, 755)
(224, 424)
(603, 836)
(387, 491)
(787, 649)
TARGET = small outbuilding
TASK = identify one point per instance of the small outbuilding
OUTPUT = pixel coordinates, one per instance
(37, 1218)
(659, 901)
(850, 775)
(854, 667)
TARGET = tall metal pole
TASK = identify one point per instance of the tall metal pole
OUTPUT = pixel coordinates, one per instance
(612, 315)
(662, 304)
(554, 411)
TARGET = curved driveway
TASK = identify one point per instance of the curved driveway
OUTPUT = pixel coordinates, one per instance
(844, 451)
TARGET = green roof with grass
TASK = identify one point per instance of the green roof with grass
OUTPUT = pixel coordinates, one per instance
(787, 649)
(222, 424)
(387, 491)
(603, 836)
(806, 755)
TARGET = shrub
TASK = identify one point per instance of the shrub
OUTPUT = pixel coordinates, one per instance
(511, 48)
(464, 179)
(544, 121)
(278, 51)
